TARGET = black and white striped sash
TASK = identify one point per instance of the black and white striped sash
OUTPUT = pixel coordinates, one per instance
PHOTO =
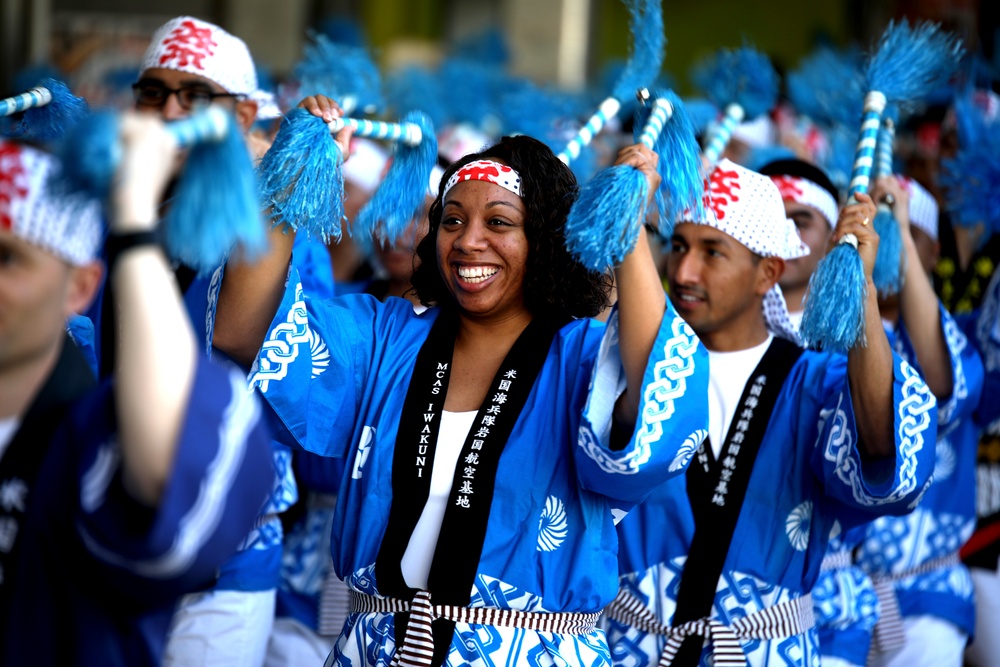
(838, 560)
(417, 648)
(889, 633)
(782, 620)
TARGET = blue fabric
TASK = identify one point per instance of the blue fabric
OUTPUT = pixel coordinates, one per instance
(100, 573)
(336, 373)
(305, 560)
(946, 516)
(808, 483)
(81, 329)
(845, 606)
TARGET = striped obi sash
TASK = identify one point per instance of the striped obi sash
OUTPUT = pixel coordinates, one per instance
(838, 560)
(417, 648)
(889, 633)
(782, 620)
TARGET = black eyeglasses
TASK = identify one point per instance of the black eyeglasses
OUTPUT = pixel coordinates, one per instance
(153, 94)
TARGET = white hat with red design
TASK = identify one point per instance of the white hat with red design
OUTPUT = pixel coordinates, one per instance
(747, 206)
(187, 44)
(66, 226)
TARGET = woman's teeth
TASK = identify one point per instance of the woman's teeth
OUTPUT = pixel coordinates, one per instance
(476, 274)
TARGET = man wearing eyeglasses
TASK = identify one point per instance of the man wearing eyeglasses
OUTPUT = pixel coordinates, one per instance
(191, 64)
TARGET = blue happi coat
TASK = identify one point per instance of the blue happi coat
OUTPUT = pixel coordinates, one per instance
(946, 516)
(808, 483)
(336, 374)
(100, 572)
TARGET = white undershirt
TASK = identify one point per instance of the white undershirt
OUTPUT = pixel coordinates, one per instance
(416, 563)
(8, 427)
(727, 378)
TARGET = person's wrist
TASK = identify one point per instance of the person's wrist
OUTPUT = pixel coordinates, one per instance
(123, 243)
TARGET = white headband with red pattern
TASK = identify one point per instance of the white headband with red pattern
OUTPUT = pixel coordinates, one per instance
(486, 170)
(803, 191)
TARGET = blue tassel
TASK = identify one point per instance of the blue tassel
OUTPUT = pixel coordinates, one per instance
(910, 63)
(744, 76)
(888, 272)
(681, 180)
(907, 64)
(890, 261)
(827, 85)
(603, 223)
(344, 73)
(971, 179)
(301, 179)
(215, 206)
(89, 156)
(54, 120)
(835, 322)
(400, 196)
(648, 42)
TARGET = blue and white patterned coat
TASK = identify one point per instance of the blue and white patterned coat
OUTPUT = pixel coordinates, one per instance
(946, 516)
(808, 483)
(336, 373)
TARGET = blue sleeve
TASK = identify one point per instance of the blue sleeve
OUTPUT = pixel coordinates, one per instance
(893, 485)
(672, 421)
(221, 476)
(318, 358)
(966, 371)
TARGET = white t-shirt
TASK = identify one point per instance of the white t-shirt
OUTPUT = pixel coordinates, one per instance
(727, 378)
(8, 427)
(416, 563)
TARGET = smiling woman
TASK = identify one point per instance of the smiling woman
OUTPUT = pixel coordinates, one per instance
(480, 473)
(550, 280)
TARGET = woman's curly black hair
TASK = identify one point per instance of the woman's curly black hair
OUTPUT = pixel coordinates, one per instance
(555, 284)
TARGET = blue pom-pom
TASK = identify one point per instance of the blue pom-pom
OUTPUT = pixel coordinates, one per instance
(744, 76)
(215, 207)
(834, 317)
(971, 179)
(890, 262)
(301, 179)
(415, 88)
(681, 180)
(911, 62)
(344, 73)
(52, 121)
(603, 223)
(89, 156)
(472, 92)
(648, 42)
(828, 86)
(400, 196)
